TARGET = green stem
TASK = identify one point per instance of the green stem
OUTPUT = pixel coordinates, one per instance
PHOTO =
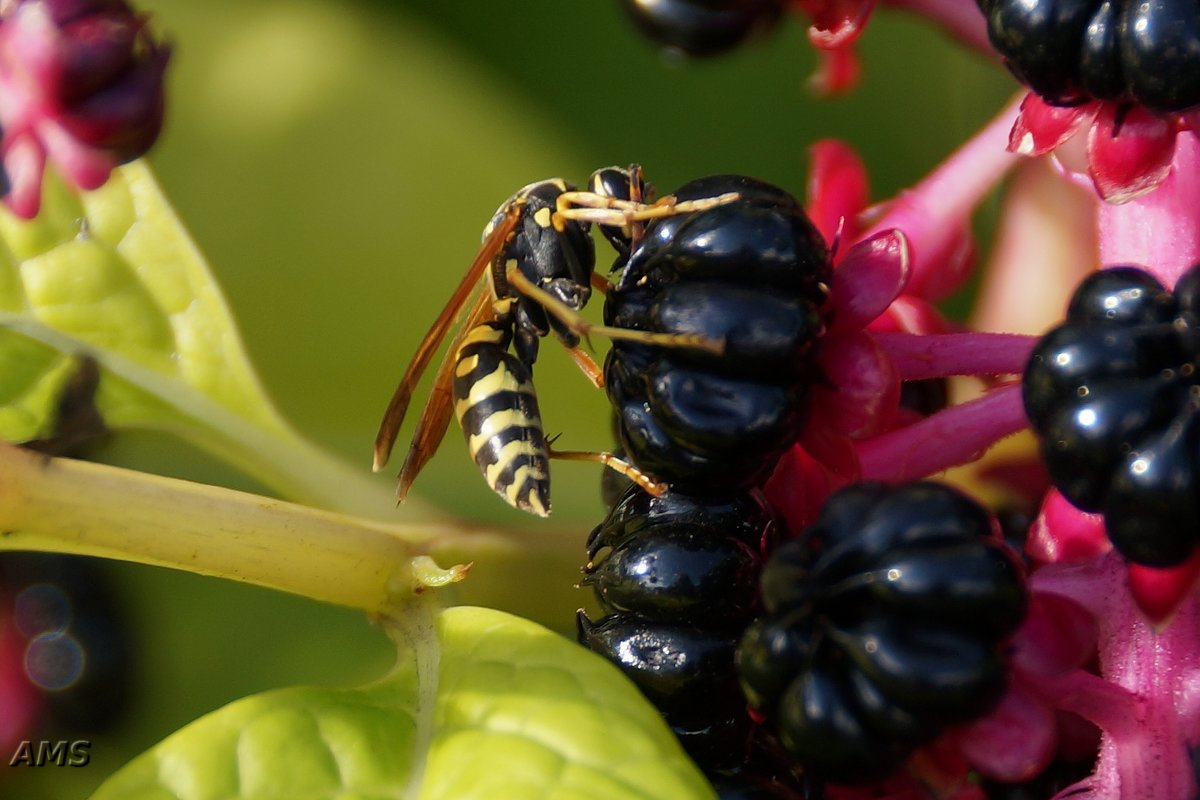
(66, 506)
(267, 448)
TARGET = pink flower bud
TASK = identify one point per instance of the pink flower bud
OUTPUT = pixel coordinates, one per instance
(81, 86)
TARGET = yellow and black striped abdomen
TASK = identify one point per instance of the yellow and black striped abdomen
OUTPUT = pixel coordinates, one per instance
(497, 409)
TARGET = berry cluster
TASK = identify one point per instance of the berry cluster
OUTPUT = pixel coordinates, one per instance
(677, 579)
(1113, 393)
(752, 274)
(1070, 51)
(883, 621)
(883, 627)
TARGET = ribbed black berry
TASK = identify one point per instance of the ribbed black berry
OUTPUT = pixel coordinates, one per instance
(1072, 51)
(885, 622)
(1113, 394)
(677, 580)
(752, 274)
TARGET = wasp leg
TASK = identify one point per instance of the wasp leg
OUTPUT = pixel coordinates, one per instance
(575, 322)
(601, 284)
(649, 484)
(638, 228)
(604, 210)
(587, 365)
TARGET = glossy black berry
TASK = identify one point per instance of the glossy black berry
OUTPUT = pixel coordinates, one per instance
(1113, 394)
(687, 672)
(886, 622)
(677, 579)
(702, 27)
(752, 274)
(677, 667)
(1072, 51)
(679, 573)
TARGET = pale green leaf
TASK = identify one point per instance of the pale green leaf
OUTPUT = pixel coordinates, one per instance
(112, 275)
(486, 706)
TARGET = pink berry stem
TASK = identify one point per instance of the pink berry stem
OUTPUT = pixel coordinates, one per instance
(954, 436)
(1160, 230)
(934, 213)
(961, 19)
(917, 357)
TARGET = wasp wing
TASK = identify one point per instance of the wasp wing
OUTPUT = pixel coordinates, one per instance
(439, 406)
(389, 428)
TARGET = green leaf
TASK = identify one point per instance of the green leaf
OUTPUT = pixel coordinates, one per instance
(485, 705)
(112, 274)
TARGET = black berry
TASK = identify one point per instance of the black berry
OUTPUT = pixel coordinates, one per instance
(1113, 394)
(752, 274)
(885, 625)
(1072, 51)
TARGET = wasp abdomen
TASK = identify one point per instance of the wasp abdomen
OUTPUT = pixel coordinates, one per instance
(497, 409)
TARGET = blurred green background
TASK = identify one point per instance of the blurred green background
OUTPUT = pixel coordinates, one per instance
(336, 162)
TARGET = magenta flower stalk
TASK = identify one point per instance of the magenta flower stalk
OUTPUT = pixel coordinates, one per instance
(940, 356)
(1158, 231)
(1145, 700)
(962, 433)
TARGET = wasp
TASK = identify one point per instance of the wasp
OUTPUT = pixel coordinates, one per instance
(531, 277)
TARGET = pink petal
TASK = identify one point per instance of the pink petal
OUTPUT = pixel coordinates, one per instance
(1057, 636)
(1158, 592)
(908, 314)
(837, 189)
(1041, 127)
(33, 47)
(866, 385)
(1063, 533)
(838, 71)
(1016, 741)
(1129, 151)
(86, 167)
(836, 22)
(24, 161)
(868, 279)
(798, 488)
